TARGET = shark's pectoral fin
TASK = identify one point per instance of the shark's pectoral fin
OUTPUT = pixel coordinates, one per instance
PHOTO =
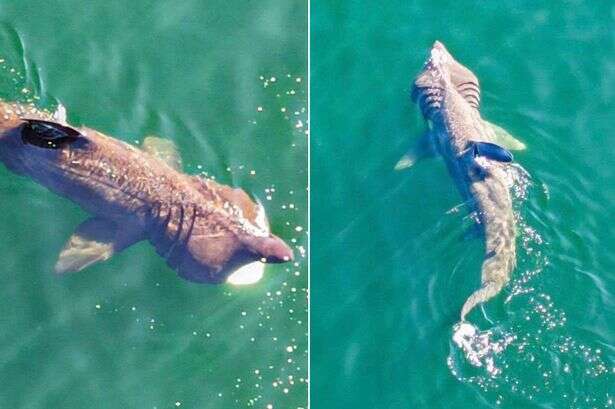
(95, 240)
(424, 148)
(491, 151)
(164, 150)
(406, 161)
(81, 253)
(503, 138)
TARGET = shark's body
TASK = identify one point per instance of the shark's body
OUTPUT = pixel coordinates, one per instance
(449, 97)
(204, 230)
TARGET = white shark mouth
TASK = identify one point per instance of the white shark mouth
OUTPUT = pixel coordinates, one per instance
(253, 272)
(248, 274)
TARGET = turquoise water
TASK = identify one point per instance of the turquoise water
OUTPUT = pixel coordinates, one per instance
(227, 82)
(389, 270)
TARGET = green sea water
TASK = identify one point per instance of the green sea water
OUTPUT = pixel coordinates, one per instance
(390, 270)
(225, 80)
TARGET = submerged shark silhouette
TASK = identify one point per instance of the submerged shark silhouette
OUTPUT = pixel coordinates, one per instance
(477, 156)
(206, 231)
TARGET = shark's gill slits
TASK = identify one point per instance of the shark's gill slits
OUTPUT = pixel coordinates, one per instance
(163, 218)
(470, 92)
(192, 222)
(177, 220)
(415, 93)
(166, 233)
(178, 243)
(429, 100)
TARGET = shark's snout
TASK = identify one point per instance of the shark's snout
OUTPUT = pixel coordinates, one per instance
(274, 250)
(439, 55)
(437, 45)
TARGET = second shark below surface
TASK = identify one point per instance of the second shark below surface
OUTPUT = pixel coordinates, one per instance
(206, 231)
(477, 156)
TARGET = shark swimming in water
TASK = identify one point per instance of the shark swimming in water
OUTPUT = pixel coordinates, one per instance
(477, 155)
(206, 231)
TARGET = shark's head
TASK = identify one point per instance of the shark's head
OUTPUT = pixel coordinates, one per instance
(436, 69)
(442, 74)
(240, 257)
(258, 238)
(263, 247)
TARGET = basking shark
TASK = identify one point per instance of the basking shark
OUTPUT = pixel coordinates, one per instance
(206, 231)
(477, 155)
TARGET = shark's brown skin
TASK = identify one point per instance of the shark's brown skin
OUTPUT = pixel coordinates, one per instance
(204, 230)
(449, 97)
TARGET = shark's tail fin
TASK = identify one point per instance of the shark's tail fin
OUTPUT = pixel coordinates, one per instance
(500, 255)
(487, 291)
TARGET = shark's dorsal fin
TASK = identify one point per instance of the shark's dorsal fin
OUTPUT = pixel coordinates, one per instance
(47, 134)
(164, 150)
(491, 151)
(95, 240)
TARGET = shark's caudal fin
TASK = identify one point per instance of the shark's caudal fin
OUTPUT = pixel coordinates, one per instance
(95, 240)
(487, 291)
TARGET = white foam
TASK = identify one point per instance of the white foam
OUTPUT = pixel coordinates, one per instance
(478, 347)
